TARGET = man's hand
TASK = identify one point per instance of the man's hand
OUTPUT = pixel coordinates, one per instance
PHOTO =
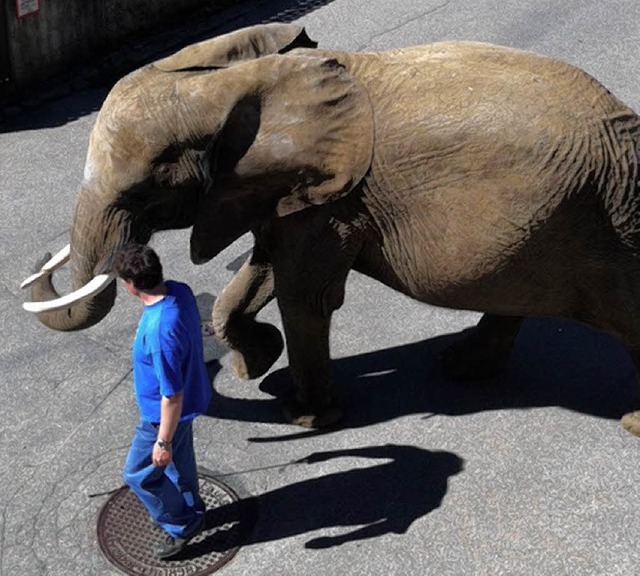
(161, 456)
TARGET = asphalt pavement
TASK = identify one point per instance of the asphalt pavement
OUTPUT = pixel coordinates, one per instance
(528, 475)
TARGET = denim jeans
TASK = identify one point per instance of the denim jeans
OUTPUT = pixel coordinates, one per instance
(169, 493)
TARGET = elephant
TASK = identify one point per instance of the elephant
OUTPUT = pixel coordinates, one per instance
(462, 174)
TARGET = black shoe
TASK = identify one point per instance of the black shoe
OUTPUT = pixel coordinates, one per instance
(172, 545)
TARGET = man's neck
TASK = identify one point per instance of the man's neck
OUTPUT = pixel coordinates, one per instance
(153, 295)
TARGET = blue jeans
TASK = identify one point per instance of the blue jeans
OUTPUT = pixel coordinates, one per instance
(170, 493)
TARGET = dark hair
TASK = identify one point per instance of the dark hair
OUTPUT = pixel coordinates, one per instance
(138, 263)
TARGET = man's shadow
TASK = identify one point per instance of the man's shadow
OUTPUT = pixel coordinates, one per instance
(554, 363)
(367, 502)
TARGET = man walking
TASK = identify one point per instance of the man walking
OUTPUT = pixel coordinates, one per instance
(171, 388)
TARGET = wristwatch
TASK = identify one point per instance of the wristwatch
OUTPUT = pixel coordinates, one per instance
(163, 445)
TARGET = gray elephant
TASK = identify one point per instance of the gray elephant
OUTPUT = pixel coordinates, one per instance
(464, 175)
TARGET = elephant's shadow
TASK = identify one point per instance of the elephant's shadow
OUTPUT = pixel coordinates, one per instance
(367, 502)
(554, 363)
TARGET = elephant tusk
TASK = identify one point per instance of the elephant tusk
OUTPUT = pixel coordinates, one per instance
(97, 285)
(60, 259)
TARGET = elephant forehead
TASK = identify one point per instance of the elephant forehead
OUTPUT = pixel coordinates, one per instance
(132, 127)
(116, 162)
(138, 107)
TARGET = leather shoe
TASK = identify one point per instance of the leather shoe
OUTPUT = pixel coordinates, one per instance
(173, 545)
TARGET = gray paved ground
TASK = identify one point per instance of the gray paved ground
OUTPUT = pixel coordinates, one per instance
(529, 476)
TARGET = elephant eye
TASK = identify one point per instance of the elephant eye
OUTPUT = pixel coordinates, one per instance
(163, 171)
(167, 175)
(174, 168)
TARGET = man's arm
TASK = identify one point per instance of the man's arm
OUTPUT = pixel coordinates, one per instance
(170, 412)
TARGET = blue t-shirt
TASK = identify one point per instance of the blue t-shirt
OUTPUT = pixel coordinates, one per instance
(168, 357)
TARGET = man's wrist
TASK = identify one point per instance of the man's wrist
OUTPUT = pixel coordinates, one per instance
(164, 444)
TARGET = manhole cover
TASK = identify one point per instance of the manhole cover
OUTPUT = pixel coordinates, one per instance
(126, 535)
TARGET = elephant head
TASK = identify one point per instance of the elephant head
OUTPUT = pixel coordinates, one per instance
(219, 136)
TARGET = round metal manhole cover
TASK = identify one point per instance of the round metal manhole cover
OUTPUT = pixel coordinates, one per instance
(127, 536)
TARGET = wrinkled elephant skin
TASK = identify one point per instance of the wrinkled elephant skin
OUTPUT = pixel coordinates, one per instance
(464, 175)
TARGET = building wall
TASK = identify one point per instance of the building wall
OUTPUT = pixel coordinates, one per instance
(69, 31)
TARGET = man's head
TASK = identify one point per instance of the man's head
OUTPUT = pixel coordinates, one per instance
(139, 265)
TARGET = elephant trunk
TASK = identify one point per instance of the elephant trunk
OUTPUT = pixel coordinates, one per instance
(98, 230)
(78, 316)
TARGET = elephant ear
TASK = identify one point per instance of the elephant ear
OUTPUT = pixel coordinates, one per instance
(239, 46)
(286, 132)
(318, 126)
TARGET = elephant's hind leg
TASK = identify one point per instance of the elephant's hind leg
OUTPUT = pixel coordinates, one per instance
(485, 352)
(614, 307)
(631, 421)
(255, 345)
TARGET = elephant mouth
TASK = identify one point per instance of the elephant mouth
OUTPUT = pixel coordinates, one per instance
(86, 292)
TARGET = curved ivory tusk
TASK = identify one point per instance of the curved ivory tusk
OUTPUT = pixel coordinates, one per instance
(60, 259)
(97, 285)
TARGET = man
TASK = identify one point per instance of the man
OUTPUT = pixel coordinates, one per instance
(172, 388)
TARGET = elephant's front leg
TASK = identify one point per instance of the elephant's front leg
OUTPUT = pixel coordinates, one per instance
(255, 345)
(312, 253)
(307, 335)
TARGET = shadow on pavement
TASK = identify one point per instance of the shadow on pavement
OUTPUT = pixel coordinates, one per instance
(82, 89)
(368, 502)
(554, 363)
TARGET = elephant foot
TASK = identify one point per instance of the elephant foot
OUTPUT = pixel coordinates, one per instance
(631, 422)
(300, 414)
(473, 359)
(259, 352)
